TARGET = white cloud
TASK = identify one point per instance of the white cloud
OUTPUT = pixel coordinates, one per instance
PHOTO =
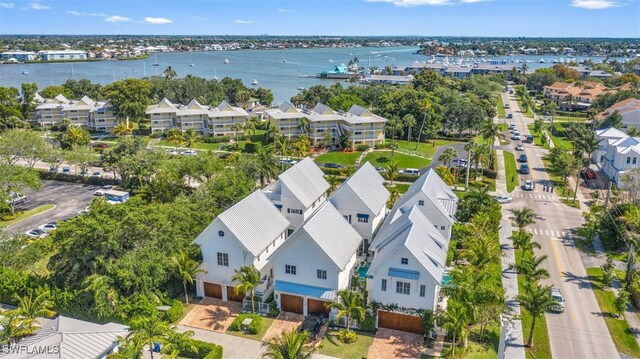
(473, 1)
(157, 20)
(7, 5)
(595, 4)
(243, 22)
(84, 13)
(117, 18)
(286, 10)
(411, 3)
(39, 6)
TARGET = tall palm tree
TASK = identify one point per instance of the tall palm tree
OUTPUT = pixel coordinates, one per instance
(446, 175)
(524, 68)
(394, 125)
(529, 267)
(123, 129)
(271, 133)
(248, 278)
(391, 172)
(524, 241)
(448, 156)
(74, 135)
(334, 181)
(490, 131)
(304, 125)
(267, 165)
(290, 344)
(470, 147)
(394, 194)
(33, 307)
(536, 300)
(327, 138)
(249, 128)
(631, 220)
(191, 137)
(349, 306)
(302, 145)
(148, 330)
(175, 136)
(409, 121)
(236, 128)
(187, 270)
(426, 107)
(170, 72)
(480, 157)
(523, 217)
(455, 320)
(281, 144)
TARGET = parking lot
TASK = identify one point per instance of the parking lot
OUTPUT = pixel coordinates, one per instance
(68, 198)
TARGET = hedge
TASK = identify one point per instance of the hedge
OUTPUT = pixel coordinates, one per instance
(63, 177)
(217, 139)
(197, 349)
(254, 328)
(175, 312)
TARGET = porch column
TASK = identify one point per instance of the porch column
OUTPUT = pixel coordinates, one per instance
(224, 293)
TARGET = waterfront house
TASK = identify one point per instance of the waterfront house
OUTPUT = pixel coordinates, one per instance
(50, 111)
(606, 136)
(298, 191)
(618, 153)
(161, 115)
(63, 55)
(362, 127)
(245, 234)
(85, 113)
(102, 117)
(629, 109)
(18, 56)
(362, 201)
(315, 262)
(78, 112)
(222, 118)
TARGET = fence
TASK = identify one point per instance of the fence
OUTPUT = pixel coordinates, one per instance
(259, 307)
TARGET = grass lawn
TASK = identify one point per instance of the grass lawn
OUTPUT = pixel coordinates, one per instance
(541, 347)
(500, 108)
(537, 138)
(558, 136)
(510, 171)
(331, 346)
(266, 323)
(400, 187)
(27, 214)
(339, 157)
(383, 158)
(618, 328)
(529, 113)
(197, 145)
(569, 119)
(424, 149)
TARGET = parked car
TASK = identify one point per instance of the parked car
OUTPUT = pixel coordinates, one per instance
(312, 325)
(519, 147)
(522, 158)
(84, 211)
(16, 199)
(332, 165)
(509, 115)
(100, 191)
(101, 146)
(51, 226)
(516, 137)
(96, 174)
(52, 169)
(503, 199)
(524, 168)
(528, 139)
(588, 174)
(380, 169)
(66, 170)
(506, 105)
(410, 171)
(36, 233)
(557, 296)
(189, 153)
(173, 152)
(529, 185)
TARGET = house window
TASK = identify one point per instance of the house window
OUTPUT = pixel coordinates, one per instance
(442, 228)
(384, 285)
(363, 218)
(223, 259)
(289, 269)
(404, 260)
(294, 211)
(221, 233)
(422, 290)
(628, 160)
(420, 203)
(403, 288)
(322, 274)
(347, 217)
(634, 160)
(279, 207)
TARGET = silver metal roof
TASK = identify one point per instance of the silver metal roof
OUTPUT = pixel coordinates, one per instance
(306, 181)
(367, 185)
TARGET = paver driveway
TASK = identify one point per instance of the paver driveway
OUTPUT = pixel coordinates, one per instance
(283, 322)
(395, 344)
(212, 314)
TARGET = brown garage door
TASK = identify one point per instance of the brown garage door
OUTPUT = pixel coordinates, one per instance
(213, 290)
(402, 322)
(231, 295)
(291, 303)
(317, 306)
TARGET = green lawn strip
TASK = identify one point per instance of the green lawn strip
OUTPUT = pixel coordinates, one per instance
(400, 187)
(528, 113)
(197, 145)
(558, 136)
(537, 138)
(424, 149)
(27, 214)
(266, 323)
(510, 168)
(500, 108)
(569, 119)
(383, 158)
(541, 347)
(339, 157)
(619, 329)
(332, 346)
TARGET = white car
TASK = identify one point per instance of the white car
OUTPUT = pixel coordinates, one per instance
(557, 296)
(410, 171)
(189, 153)
(103, 189)
(503, 199)
(84, 211)
(51, 226)
(519, 147)
(36, 233)
(516, 137)
(173, 152)
(529, 185)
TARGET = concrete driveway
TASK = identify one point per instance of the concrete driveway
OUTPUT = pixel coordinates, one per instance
(69, 198)
(395, 344)
(435, 162)
(212, 314)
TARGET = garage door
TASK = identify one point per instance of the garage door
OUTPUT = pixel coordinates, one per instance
(213, 290)
(291, 303)
(231, 295)
(402, 322)
(317, 306)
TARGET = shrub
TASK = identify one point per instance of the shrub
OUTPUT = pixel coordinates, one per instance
(347, 336)
(217, 139)
(156, 135)
(216, 353)
(250, 147)
(254, 328)
(273, 309)
(362, 148)
(97, 181)
(175, 312)
(368, 324)
(193, 348)
(379, 146)
(142, 132)
(331, 171)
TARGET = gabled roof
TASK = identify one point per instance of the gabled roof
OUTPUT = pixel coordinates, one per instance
(436, 190)
(254, 221)
(195, 105)
(164, 106)
(287, 106)
(224, 106)
(305, 180)
(61, 99)
(323, 109)
(610, 132)
(360, 111)
(367, 185)
(331, 232)
(413, 231)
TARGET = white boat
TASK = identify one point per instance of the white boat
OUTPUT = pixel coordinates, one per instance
(155, 61)
(254, 82)
(541, 61)
(301, 88)
(226, 61)
(25, 72)
(284, 60)
(330, 60)
(190, 65)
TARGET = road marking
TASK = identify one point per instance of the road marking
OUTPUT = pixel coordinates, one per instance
(556, 255)
(546, 231)
(535, 231)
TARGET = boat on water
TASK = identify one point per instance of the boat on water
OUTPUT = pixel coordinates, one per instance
(226, 61)
(254, 82)
(215, 74)
(301, 88)
(330, 60)
(284, 60)
(541, 61)
(190, 65)
(155, 61)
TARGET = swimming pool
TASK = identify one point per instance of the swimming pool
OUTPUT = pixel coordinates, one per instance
(362, 271)
(446, 279)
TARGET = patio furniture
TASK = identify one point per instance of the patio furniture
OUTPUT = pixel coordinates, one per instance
(246, 323)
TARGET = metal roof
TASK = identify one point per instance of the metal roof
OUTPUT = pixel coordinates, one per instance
(438, 193)
(367, 185)
(305, 290)
(403, 273)
(306, 181)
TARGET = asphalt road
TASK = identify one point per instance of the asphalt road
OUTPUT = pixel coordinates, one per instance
(69, 198)
(579, 332)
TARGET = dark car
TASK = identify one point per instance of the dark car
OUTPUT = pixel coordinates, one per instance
(331, 165)
(312, 325)
(524, 169)
(509, 115)
(522, 158)
(528, 139)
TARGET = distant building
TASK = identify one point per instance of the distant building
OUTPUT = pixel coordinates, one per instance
(51, 55)
(18, 55)
(86, 113)
(629, 109)
(582, 96)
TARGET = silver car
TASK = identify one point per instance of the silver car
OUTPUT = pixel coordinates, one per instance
(557, 296)
(503, 199)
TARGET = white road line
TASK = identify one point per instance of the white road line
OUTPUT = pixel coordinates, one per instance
(546, 231)
(535, 231)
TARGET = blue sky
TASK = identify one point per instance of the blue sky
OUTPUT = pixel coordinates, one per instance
(548, 18)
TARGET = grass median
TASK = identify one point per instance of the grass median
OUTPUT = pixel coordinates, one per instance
(27, 214)
(510, 168)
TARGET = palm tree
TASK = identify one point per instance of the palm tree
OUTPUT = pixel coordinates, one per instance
(631, 220)
(328, 139)
(146, 330)
(123, 129)
(170, 73)
(291, 344)
(302, 145)
(236, 128)
(267, 165)
(489, 132)
(187, 269)
(350, 305)
(529, 267)
(480, 157)
(448, 155)
(74, 135)
(523, 217)
(470, 147)
(426, 106)
(524, 241)
(175, 136)
(394, 125)
(455, 320)
(536, 300)
(15, 326)
(391, 172)
(281, 144)
(271, 132)
(250, 128)
(394, 194)
(334, 181)
(446, 175)
(248, 278)
(304, 126)
(191, 137)
(31, 307)
(409, 121)
(524, 68)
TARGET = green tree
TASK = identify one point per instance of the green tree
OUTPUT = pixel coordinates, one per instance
(10, 104)
(175, 136)
(267, 164)
(304, 125)
(490, 131)
(334, 181)
(123, 129)
(448, 155)
(523, 217)
(248, 279)
(349, 306)
(290, 344)
(470, 147)
(170, 72)
(191, 137)
(394, 126)
(187, 269)
(148, 330)
(15, 326)
(529, 267)
(29, 91)
(236, 127)
(35, 306)
(446, 175)
(608, 272)
(73, 137)
(15, 179)
(428, 109)
(409, 121)
(55, 90)
(26, 145)
(536, 300)
(391, 172)
(455, 320)
(302, 145)
(621, 302)
(129, 99)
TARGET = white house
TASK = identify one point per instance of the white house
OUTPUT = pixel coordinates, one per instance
(629, 109)
(315, 262)
(245, 234)
(362, 201)
(621, 155)
(57, 55)
(299, 191)
(606, 136)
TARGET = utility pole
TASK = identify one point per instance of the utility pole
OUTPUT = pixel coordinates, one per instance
(606, 199)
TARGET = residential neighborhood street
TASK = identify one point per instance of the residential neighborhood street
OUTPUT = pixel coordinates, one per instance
(580, 331)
